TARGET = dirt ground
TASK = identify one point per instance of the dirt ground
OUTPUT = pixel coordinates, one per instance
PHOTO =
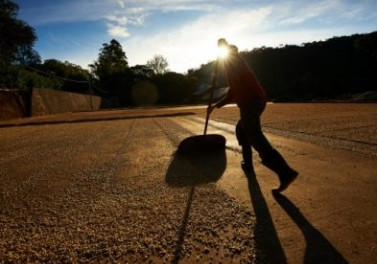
(354, 122)
(109, 187)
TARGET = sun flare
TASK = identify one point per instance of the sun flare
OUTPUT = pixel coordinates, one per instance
(223, 52)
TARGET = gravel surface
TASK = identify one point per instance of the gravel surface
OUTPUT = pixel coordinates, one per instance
(348, 126)
(113, 192)
(116, 192)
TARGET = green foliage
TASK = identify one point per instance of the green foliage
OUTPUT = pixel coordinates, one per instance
(73, 77)
(111, 60)
(142, 71)
(174, 88)
(52, 74)
(16, 77)
(14, 33)
(113, 74)
(26, 55)
(16, 42)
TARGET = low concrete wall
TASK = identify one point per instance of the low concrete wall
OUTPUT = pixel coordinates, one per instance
(47, 102)
(13, 104)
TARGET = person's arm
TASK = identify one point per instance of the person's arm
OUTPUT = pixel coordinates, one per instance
(226, 99)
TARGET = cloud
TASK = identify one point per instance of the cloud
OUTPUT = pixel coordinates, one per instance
(121, 20)
(296, 13)
(291, 11)
(126, 20)
(177, 5)
(89, 10)
(121, 4)
(236, 20)
(117, 31)
(136, 12)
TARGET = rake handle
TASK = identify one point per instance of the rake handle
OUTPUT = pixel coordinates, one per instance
(211, 91)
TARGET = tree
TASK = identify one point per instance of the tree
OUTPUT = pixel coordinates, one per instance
(113, 74)
(142, 71)
(111, 60)
(158, 64)
(14, 33)
(368, 44)
(73, 76)
(174, 88)
(26, 55)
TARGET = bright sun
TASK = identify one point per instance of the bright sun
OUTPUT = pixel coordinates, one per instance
(223, 52)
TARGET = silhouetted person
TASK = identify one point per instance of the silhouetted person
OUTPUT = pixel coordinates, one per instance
(248, 94)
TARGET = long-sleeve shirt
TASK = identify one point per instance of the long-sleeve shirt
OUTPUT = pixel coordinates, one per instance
(243, 84)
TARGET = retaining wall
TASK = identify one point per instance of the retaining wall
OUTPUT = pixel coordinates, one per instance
(14, 103)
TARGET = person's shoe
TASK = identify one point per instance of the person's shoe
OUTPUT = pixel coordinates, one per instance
(275, 162)
(247, 166)
(286, 180)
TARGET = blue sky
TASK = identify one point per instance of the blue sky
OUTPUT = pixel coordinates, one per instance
(186, 31)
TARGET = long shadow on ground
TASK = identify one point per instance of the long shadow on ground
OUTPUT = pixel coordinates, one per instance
(318, 248)
(190, 170)
(269, 249)
(195, 168)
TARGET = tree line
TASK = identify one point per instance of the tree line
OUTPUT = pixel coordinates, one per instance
(148, 84)
(334, 68)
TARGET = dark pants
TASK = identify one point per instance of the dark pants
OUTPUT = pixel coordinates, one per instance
(249, 131)
(249, 134)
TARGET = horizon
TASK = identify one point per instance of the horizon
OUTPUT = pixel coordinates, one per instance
(185, 32)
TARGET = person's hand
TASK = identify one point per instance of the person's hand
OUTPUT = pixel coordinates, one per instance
(210, 108)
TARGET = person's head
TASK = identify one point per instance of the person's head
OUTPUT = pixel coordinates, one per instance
(222, 42)
(233, 58)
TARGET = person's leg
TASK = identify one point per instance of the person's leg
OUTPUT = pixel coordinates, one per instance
(250, 120)
(247, 162)
(271, 158)
(275, 162)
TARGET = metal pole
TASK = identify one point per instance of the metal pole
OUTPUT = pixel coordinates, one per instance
(91, 95)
